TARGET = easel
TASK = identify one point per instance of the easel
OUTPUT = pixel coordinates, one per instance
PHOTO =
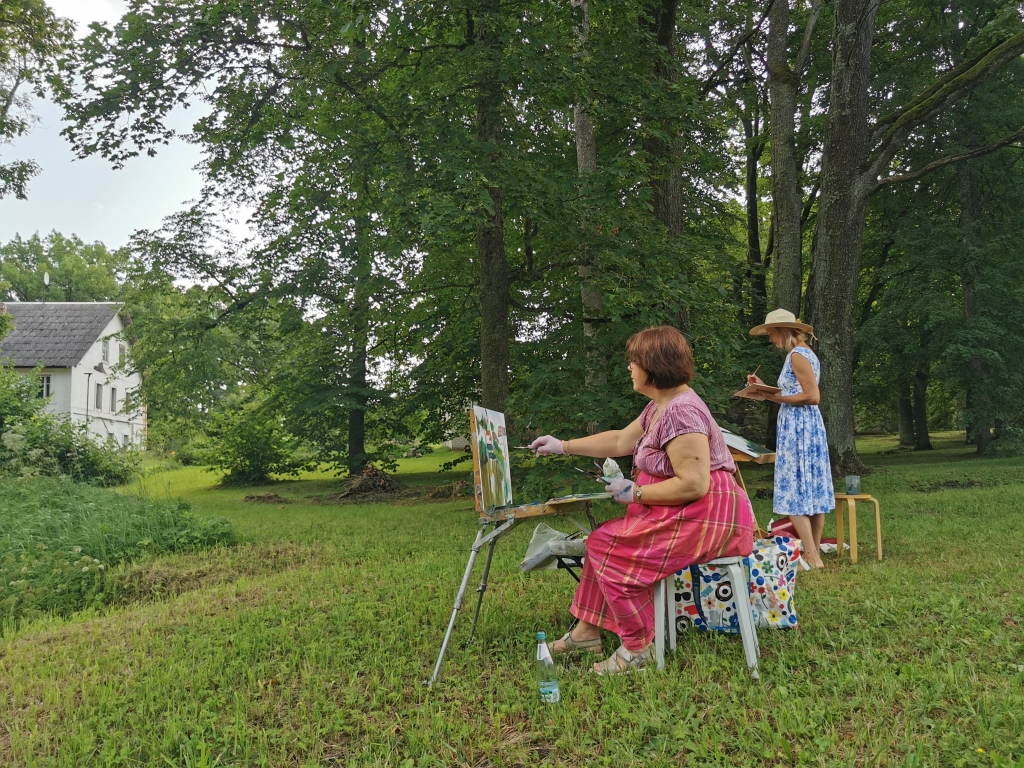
(503, 520)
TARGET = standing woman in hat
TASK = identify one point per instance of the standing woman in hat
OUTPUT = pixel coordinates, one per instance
(803, 473)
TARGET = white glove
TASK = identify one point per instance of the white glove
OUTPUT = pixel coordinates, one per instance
(621, 490)
(547, 444)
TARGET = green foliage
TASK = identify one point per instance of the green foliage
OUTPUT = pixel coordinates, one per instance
(249, 444)
(36, 443)
(78, 271)
(360, 153)
(32, 40)
(47, 445)
(59, 540)
(19, 395)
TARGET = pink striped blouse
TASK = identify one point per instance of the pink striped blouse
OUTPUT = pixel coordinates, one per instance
(685, 413)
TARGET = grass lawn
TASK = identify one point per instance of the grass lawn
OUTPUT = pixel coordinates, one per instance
(307, 644)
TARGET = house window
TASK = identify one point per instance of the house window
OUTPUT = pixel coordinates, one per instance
(122, 353)
(106, 350)
(99, 397)
(113, 399)
(127, 440)
(44, 386)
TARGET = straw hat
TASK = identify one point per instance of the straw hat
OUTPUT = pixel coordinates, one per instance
(779, 318)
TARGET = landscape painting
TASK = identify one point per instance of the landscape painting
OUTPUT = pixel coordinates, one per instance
(491, 471)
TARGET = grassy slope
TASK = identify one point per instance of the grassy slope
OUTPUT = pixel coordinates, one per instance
(918, 660)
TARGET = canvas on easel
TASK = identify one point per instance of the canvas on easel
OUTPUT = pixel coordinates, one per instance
(492, 489)
(492, 471)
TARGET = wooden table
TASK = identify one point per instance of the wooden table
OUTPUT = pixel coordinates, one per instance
(851, 500)
(740, 456)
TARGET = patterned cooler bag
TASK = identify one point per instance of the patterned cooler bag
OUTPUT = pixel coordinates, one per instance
(706, 599)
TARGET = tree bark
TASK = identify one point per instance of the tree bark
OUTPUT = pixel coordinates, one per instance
(666, 179)
(755, 270)
(839, 232)
(787, 196)
(490, 232)
(358, 389)
(905, 408)
(586, 163)
(921, 439)
(980, 426)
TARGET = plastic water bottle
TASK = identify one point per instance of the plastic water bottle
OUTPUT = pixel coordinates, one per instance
(547, 678)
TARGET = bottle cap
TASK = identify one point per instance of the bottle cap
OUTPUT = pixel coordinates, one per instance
(541, 636)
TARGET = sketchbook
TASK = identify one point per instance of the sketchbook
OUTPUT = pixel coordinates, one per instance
(751, 390)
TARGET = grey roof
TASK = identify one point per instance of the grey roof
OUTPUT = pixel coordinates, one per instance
(57, 334)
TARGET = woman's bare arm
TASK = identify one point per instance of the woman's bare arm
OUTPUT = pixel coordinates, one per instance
(614, 442)
(690, 455)
(811, 395)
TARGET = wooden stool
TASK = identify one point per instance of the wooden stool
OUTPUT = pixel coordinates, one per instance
(851, 500)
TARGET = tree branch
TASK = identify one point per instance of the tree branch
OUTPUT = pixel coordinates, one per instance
(949, 89)
(942, 162)
(810, 201)
(805, 47)
(712, 82)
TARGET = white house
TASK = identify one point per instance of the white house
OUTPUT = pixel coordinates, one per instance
(78, 345)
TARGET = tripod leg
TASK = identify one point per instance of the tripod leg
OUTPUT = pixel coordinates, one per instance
(458, 604)
(481, 589)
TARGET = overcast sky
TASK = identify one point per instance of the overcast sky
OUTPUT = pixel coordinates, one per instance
(87, 197)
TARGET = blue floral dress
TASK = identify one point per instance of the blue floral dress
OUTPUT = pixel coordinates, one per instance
(803, 473)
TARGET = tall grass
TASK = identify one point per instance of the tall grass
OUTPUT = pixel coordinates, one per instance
(58, 538)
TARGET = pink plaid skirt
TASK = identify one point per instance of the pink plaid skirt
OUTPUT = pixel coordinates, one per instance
(627, 555)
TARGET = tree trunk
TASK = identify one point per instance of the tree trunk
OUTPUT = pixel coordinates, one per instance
(490, 231)
(771, 438)
(360, 342)
(980, 426)
(905, 408)
(839, 232)
(666, 179)
(921, 440)
(755, 271)
(787, 196)
(586, 162)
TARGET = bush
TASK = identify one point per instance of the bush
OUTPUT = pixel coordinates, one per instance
(46, 445)
(59, 539)
(249, 444)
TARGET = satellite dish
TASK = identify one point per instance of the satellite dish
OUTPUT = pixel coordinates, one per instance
(46, 278)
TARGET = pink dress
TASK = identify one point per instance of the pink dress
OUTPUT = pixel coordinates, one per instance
(626, 556)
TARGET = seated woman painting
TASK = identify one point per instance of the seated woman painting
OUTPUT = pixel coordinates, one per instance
(683, 507)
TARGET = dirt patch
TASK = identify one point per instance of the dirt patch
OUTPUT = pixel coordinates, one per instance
(267, 498)
(764, 493)
(176, 574)
(452, 491)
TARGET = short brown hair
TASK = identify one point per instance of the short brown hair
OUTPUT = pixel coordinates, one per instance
(664, 353)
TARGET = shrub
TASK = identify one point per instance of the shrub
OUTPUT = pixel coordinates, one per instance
(59, 538)
(46, 445)
(249, 444)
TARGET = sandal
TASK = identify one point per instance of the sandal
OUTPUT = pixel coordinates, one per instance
(624, 660)
(570, 644)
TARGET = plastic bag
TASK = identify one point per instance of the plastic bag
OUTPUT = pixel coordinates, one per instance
(539, 555)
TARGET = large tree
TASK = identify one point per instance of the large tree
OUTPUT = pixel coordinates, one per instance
(864, 135)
